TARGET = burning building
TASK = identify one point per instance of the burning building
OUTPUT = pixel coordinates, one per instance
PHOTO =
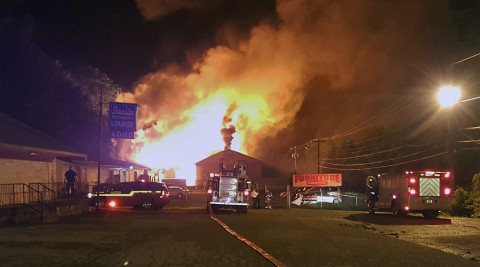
(248, 166)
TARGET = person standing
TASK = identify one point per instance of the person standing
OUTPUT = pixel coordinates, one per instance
(256, 199)
(70, 177)
(268, 199)
(144, 177)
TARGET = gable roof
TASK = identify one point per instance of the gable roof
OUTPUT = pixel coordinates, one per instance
(227, 153)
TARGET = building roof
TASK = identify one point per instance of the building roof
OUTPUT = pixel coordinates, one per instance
(111, 163)
(227, 153)
(19, 141)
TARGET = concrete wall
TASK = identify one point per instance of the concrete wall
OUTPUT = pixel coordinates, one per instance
(22, 171)
(12, 215)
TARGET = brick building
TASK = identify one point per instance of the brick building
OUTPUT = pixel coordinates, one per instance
(249, 167)
(29, 156)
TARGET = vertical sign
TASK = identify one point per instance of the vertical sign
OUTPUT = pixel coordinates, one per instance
(122, 120)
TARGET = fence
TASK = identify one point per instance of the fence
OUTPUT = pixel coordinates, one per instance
(19, 194)
(37, 193)
(60, 191)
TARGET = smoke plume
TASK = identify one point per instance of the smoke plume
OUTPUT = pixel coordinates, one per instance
(268, 79)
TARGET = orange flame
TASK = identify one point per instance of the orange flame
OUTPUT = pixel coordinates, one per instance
(251, 93)
(199, 135)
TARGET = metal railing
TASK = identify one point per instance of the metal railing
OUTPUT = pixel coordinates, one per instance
(21, 194)
(60, 192)
(37, 196)
(49, 196)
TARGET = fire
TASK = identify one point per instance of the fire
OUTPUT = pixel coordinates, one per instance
(251, 91)
(200, 135)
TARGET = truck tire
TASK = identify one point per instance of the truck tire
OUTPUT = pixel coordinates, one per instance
(99, 203)
(147, 203)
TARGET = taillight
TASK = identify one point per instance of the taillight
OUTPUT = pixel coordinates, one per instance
(407, 208)
(413, 181)
(209, 191)
(412, 191)
(447, 174)
(394, 196)
(112, 204)
(245, 192)
(447, 191)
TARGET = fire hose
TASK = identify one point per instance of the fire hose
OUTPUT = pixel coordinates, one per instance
(249, 243)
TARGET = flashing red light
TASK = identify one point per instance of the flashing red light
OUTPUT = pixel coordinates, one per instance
(209, 191)
(413, 191)
(412, 180)
(245, 192)
(447, 191)
(112, 204)
(394, 196)
(447, 175)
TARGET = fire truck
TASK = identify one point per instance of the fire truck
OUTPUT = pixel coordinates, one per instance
(228, 191)
(425, 192)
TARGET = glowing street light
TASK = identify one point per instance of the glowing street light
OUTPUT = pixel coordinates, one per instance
(448, 96)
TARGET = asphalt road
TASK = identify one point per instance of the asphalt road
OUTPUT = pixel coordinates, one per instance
(187, 236)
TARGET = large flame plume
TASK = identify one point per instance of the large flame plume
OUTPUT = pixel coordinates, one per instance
(187, 118)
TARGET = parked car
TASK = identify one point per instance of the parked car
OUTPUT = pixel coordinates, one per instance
(322, 194)
(144, 195)
(178, 191)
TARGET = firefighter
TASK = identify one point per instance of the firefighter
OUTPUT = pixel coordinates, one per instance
(268, 199)
(372, 193)
(255, 198)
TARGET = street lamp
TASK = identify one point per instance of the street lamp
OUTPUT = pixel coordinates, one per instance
(448, 96)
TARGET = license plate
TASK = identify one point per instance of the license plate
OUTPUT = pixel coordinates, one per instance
(429, 201)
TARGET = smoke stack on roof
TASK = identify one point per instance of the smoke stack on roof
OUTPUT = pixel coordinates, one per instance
(227, 134)
(228, 129)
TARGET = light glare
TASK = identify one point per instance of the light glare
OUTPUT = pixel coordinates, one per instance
(448, 95)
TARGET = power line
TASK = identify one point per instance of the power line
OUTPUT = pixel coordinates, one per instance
(385, 166)
(380, 161)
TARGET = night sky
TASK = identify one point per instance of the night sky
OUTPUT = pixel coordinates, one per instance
(347, 62)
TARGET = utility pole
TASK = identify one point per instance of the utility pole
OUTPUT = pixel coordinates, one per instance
(295, 156)
(99, 140)
(318, 141)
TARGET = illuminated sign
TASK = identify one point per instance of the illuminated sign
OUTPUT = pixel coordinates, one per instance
(122, 120)
(320, 179)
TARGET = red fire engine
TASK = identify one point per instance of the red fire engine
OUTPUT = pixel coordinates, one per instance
(228, 191)
(426, 192)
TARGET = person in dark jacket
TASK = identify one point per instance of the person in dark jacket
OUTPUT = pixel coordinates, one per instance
(70, 177)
